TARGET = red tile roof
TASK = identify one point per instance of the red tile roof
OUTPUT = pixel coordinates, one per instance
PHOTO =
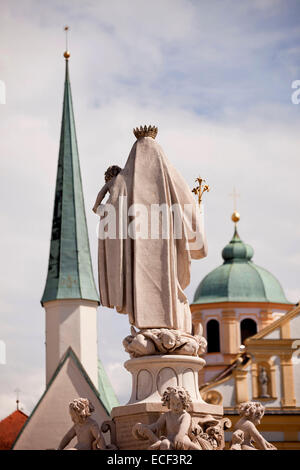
(10, 428)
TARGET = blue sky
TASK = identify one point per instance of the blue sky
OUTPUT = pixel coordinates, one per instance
(215, 76)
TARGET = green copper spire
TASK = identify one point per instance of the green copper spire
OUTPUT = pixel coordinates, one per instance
(70, 274)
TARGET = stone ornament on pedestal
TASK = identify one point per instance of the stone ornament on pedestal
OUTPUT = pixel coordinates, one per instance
(163, 341)
(176, 430)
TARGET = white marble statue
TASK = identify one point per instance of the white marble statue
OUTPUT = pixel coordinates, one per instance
(144, 266)
(251, 413)
(89, 436)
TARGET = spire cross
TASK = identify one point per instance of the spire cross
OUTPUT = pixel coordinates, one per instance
(17, 391)
(66, 28)
(234, 195)
(66, 53)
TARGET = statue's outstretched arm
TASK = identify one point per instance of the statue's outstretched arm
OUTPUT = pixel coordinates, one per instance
(67, 438)
(100, 197)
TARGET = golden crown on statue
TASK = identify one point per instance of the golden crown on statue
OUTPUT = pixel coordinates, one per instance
(150, 131)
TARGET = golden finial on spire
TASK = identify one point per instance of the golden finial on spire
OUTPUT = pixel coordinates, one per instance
(235, 216)
(200, 189)
(67, 52)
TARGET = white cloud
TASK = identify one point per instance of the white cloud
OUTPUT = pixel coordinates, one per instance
(215, 81)
(120, 380)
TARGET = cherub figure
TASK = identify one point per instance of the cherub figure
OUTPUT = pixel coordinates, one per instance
(109, 177)
(237, 440)
(86, 429)
(171, 430)
(251, 413)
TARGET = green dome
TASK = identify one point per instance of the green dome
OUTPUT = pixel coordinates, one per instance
(238, 279)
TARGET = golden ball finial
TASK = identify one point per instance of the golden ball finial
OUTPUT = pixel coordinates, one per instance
(235, 217)
(67, 52)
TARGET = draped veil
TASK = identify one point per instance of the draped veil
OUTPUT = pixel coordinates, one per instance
(145, 277)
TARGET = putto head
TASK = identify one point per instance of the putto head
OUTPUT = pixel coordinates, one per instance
(111, 172)
(81, 409)
(175, 394)
(253, 410)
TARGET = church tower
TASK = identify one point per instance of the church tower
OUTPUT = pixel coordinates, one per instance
(70, 297)
(234, 302)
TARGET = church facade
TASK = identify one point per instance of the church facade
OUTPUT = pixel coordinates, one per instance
(253, 335)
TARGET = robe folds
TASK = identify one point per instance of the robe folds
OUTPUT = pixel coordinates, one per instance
(145, 276)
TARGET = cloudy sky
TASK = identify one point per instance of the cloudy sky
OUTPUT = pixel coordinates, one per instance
(215, 76)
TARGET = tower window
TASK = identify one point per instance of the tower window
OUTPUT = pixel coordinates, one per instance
(248, 328)
(213, 336)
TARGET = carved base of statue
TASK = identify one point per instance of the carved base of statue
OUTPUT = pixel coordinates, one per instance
(151, 376)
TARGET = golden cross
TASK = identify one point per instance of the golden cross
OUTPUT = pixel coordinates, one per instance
(200, 189)
(66, 28)
(234, 195)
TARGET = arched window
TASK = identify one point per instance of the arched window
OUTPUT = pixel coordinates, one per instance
(248, 328)
(213, 336)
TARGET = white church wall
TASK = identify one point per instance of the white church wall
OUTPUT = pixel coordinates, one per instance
(214, 314)
(249, 381)
(212, 358)
(227, 389)
(243, 312)
(278, 314)
(295, 327)
(277, 402)
(211, 312)
(89, 340)
(210, 374)
(72, 323)
(273, 335)
(296, 365)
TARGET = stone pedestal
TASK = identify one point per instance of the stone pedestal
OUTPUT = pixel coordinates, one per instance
(151, 375)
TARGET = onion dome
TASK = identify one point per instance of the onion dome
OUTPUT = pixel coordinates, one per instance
(238, 279)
